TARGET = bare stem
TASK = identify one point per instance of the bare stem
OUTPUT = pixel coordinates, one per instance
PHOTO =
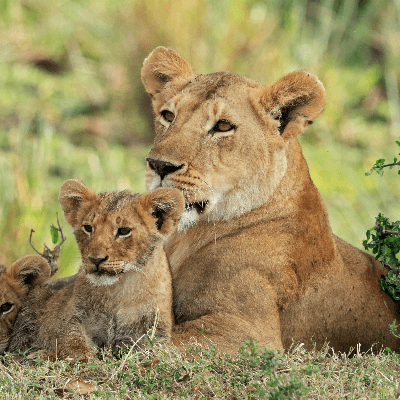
(33, 247)
(394, 269)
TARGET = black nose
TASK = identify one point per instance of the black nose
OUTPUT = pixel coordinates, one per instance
(162, 168)
(97, 260)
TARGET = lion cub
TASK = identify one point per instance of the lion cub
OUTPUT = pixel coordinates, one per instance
(16, 282)
(124, 284)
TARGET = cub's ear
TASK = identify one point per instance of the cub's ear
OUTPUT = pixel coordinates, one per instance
(294, 101)
(162, 66)
(30, 270)
(163, 208)
(73, 195)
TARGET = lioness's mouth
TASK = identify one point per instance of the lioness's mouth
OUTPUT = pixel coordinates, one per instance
(105, 272)
(199, 206)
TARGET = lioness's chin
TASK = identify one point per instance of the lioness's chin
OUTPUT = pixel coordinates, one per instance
(101, 279)
(188, 218)
(200, 210)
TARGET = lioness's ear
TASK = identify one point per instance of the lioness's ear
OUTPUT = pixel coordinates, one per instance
(162, 66)
(294, 101)
(30, 270)
(73, 194)
(164, 206)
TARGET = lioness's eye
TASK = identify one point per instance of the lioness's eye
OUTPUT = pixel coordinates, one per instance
(123, 231)
(223, 126)
(6, 307)
(87, 228)
(168, 115)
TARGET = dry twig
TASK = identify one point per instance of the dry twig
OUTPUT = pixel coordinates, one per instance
(51, 256)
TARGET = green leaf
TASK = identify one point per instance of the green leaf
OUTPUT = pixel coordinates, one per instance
(388, 239)
(54, 234)
(370, 172)
(393, 327)
(368, 234)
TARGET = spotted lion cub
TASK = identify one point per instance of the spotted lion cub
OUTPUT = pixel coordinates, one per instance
(124, 284)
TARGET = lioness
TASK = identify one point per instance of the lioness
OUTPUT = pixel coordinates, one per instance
(123, 288)
(254, 256)
(16, 282)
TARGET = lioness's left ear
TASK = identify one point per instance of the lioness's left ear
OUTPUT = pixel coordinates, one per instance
(164, 208)
(162, 66)
(294, 101)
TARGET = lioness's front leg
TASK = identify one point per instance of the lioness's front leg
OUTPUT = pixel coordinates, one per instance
(228, 332)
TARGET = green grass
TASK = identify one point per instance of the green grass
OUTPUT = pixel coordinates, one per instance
(158, 372)
(72, 104)
(32, 169)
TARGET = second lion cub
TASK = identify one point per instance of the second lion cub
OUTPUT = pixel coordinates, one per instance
(124, 284)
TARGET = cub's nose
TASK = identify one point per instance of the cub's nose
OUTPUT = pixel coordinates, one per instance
(162, 168)
(96, 260)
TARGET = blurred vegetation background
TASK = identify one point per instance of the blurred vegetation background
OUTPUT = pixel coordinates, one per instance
(72, 104)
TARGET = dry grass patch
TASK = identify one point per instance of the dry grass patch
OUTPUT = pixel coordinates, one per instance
(159, 372)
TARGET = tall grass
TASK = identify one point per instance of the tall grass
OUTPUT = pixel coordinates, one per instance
(72, 104)
(32, 169)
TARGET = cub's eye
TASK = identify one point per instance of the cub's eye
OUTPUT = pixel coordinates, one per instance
(223, 126)
(123, 231)
(87, 228)
(6, 307)
(168, 115)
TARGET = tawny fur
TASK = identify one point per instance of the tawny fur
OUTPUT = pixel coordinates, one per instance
(16, 282)
(254, 257)
(123, 288)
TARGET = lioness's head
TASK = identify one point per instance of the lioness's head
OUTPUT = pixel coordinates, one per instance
(15, 283)
(222, 138)
(118, 231)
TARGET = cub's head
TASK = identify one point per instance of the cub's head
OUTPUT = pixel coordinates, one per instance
(222, 139)
(15, 283)
(117, 232)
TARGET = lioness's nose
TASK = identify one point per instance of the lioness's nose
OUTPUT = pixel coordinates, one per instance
(162, 168)
(96, 260)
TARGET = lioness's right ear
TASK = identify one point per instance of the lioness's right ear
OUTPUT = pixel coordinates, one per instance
(162, 66)
(73, 194)
(30, 270)
(294, 101)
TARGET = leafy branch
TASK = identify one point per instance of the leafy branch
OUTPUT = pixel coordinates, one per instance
(380, 165)
(384, 241)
